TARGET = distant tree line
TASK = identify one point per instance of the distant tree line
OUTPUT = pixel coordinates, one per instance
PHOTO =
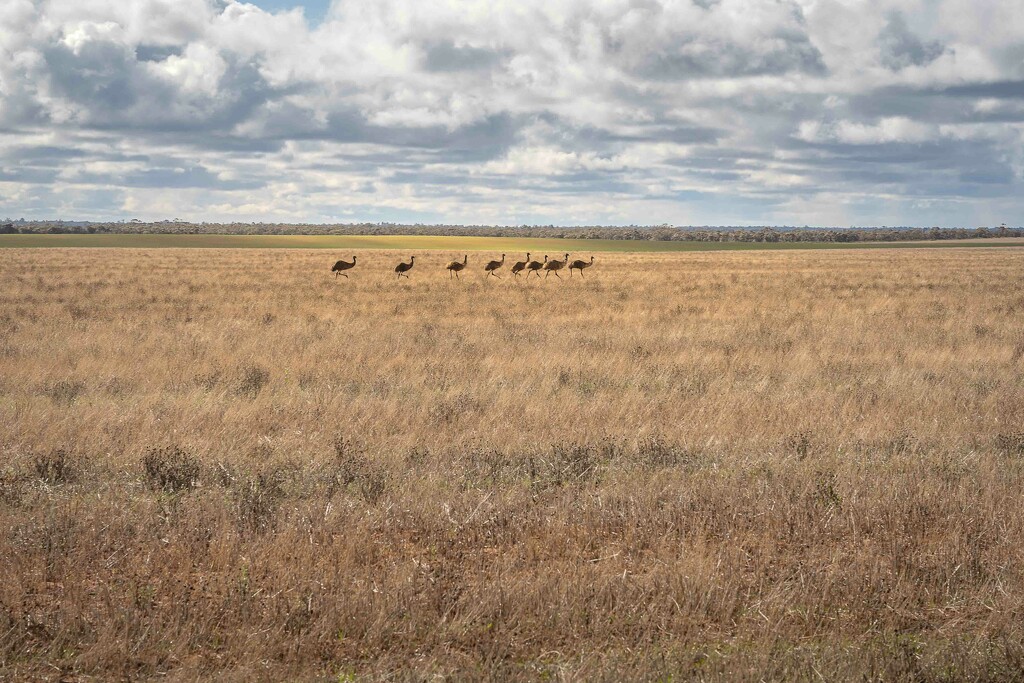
(653, 232)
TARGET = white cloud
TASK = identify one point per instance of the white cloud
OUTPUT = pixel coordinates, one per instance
(543, 161)
(197, 71)
(547, 110)
(884, 130)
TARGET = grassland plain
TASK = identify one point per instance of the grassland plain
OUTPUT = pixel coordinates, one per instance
(461, 243)
(714, 466)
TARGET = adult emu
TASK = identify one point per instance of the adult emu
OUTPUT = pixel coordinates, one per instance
(403, 268)
(456, 266)
(535, 266)
(342, 266)
(580, 265)
(554, 265)
(521, 265)
(494, 265)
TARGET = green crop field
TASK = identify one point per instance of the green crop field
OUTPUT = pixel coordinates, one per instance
(461, 243)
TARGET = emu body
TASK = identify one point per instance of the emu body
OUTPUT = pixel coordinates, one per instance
(456, 266)
(554, 265)
(403, 268)
(520, 265)
(342, 266)
(535, 266)
(580, 265)
(494, 265)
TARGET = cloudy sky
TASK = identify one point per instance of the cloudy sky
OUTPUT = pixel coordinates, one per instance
(688, 112)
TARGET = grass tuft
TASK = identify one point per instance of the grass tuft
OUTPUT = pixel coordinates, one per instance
(55, 467)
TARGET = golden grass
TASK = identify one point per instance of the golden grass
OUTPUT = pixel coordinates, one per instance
(735, 466)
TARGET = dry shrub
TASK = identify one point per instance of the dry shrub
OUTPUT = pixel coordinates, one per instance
(257, 500)
(354, 470)
(64, 392)
(825, 491)
(171, 468)
(250, 378)
(801, 444)
(572, 463)
(55, 467)
(486, 467)
(1011, 444)
(655, 452)
(12, 487)
(448, 410)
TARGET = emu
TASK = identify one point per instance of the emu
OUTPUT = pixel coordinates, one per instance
(517, 267)
(456, 266)
(494, 265)
(402, 268)
(341, 266)
(535, 266)
(554, 265)
(580, 265)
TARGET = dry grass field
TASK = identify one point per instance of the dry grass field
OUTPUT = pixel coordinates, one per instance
(228, 464)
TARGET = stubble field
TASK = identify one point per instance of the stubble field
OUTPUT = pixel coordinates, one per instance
(720, 465)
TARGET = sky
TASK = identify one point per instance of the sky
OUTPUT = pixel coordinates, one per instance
(511, 112)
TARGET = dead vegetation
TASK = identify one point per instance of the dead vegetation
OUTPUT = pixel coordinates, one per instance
(752, 466)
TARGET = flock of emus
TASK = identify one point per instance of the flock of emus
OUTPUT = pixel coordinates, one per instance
(455, 267)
